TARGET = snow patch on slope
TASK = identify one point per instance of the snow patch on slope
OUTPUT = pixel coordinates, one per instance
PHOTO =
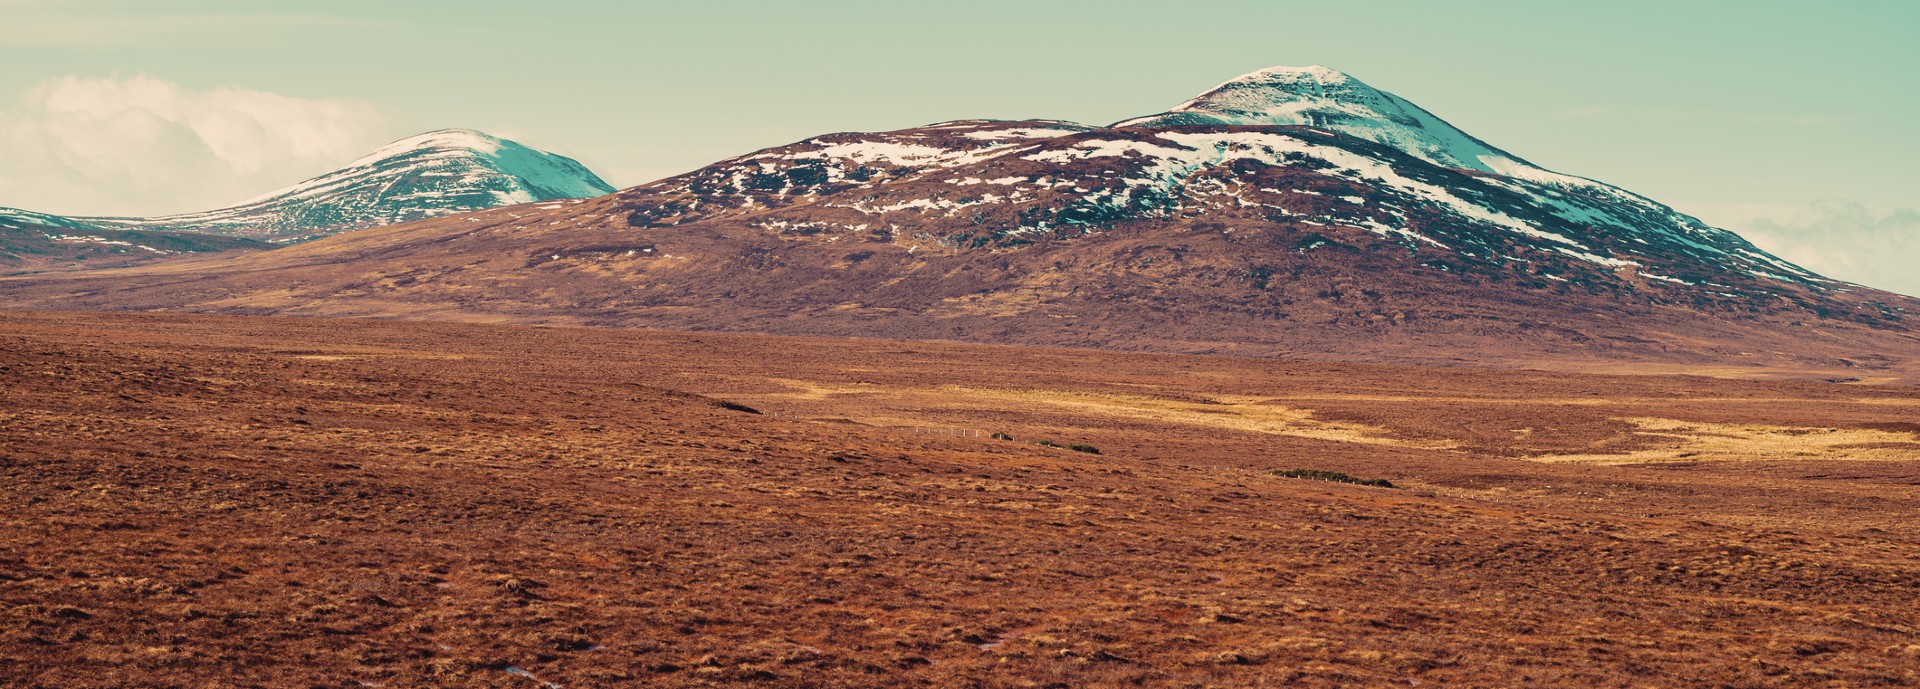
(16, 218)
(1192, 151)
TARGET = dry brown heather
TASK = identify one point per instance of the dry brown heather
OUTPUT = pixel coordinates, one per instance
(198, 501)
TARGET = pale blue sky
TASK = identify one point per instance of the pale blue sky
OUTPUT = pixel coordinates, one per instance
(1745, 113)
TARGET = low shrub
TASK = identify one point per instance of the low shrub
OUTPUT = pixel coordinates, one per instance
(1334, 476)
(735, 406)
(1076, 447)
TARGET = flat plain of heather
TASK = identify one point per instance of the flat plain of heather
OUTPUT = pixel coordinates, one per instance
(206, 501)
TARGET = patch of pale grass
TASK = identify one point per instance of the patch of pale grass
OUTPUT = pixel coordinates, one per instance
(1690, 441)
(1241, 413)
(1254, 414)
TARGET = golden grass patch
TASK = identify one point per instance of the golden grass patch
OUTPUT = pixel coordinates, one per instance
(1689, 441)
(1254, 414)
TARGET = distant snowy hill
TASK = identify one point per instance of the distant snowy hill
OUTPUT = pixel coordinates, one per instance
(425, 176)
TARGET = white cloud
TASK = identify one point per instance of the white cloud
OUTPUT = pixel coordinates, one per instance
(146, 146)
(1845, 240)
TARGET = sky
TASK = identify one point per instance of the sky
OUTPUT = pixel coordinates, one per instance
(1789, 122)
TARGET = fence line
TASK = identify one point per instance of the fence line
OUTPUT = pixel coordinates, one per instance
(944, 431)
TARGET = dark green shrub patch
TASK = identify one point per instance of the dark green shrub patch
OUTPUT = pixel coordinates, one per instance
(1334, 476)
(1076, 447)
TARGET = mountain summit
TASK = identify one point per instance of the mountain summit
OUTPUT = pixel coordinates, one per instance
(475, 162)
(423, 176)
(1317, 96)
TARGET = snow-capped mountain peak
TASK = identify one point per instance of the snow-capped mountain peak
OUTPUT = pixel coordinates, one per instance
(528, 175)
(1323, 97)
(438, 140)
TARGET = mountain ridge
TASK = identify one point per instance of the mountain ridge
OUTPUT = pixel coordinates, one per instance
(1260, 239)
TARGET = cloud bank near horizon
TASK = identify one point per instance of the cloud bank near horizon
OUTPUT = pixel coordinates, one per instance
(142, 145)
(1846, 240)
